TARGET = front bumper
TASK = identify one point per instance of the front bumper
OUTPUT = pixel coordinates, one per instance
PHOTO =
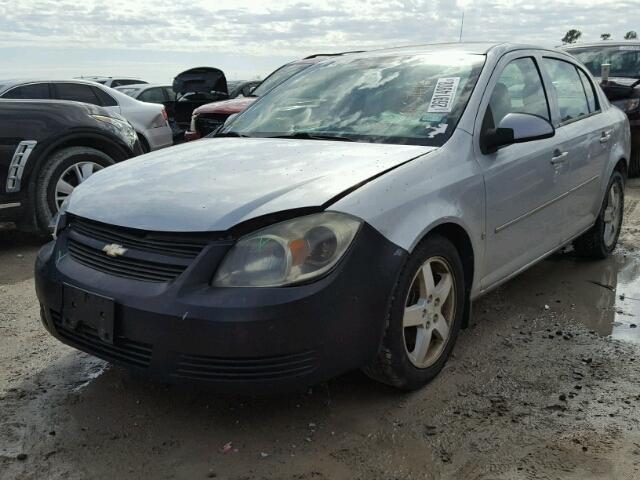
(239, 340)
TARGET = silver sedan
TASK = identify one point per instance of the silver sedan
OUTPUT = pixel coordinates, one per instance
(345, 220)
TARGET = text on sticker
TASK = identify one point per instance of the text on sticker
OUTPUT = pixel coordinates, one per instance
(444, 94)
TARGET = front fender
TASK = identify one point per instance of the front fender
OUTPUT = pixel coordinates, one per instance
(442, 187)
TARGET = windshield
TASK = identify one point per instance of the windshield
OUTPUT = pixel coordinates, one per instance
(411, 99)
(624, 59)
(279, 76)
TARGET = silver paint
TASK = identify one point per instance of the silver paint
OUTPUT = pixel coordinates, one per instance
(516, 206)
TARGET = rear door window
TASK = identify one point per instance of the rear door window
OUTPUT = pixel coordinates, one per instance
(589, 91)
(567, 88)
(38, 91)
(106, 100)
(77, 92)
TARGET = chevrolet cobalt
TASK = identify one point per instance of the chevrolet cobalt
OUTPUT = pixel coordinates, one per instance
(345, 220)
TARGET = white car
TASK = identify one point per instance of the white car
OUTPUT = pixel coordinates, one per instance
(148, 119)
(112, 82)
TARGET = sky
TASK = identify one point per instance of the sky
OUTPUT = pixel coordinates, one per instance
(247, 39)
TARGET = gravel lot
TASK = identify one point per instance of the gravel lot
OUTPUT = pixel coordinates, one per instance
(543, 385)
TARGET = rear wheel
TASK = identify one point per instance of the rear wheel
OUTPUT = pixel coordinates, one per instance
(425, 317)
(602, 238)
(61, 174)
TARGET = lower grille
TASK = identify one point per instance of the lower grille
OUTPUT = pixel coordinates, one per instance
(203, 368)
(123, 351)
(122, 266)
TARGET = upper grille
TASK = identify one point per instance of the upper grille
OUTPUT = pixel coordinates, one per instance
(147, 256)
(123, 267)
(124, 350)
(209, 122)
(201, 367)
(176, 245)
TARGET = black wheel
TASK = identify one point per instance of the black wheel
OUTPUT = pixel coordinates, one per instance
(424, 318)
(143, 143)
(61, 173)
(602, 238)
(634, 163)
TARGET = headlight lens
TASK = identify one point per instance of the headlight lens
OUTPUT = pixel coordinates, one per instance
(290, 252)
(119, 126)
(192, 125)
(628, 105)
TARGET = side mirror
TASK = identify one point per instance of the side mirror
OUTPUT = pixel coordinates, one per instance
(516, 128)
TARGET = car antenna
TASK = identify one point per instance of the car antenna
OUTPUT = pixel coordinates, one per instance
(461, 28)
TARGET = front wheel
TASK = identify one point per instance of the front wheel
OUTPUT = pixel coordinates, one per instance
(61, 174)
(425, 317)
(602, 238)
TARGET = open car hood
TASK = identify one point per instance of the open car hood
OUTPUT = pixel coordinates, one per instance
(200, 80)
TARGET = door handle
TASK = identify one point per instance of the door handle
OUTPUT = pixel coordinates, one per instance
(604, 138)
(559, 157)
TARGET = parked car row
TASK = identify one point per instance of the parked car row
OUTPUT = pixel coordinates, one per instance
(149, 121)
(346, 219)
(621, 85)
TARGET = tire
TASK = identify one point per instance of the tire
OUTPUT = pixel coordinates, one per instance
(398, 362)
(58, 165)
(601, 239)
(144, 144)
(634, 163)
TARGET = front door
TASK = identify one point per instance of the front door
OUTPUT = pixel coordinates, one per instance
(521, 180)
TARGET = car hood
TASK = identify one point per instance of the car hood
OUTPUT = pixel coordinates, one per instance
(200, 80)
(226, 107)
(214, 184)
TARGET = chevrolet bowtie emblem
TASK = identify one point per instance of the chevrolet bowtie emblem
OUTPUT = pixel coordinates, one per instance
(114, 250)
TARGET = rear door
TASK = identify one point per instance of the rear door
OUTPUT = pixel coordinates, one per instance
(521, 183)
(578, 116)
(82, 92)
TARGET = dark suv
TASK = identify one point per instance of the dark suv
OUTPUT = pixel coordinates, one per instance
(49, 147)
(622, 86)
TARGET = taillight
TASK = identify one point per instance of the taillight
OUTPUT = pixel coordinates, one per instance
(164, 114)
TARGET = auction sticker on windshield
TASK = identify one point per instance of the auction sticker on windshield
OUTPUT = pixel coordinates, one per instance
(443, 95)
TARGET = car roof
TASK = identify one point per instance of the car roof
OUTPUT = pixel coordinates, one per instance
(144, 86)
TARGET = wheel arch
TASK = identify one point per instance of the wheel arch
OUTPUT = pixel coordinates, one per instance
(457, 234)
(86, 139)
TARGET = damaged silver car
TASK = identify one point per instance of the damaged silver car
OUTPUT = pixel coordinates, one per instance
(347, 219)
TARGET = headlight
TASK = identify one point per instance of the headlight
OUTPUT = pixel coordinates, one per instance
(116, 122)
(120, 126)
(289, 252)
(58, 222)
(628, 105)
(192, 125)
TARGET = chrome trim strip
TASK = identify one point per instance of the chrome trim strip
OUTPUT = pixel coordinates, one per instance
(545, 205)
(18, 162)
(9, 205)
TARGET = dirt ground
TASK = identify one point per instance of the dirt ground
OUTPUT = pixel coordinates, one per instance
(544, 384)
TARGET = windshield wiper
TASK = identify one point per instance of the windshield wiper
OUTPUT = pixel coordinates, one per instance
(314, 136)
(230, 134)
